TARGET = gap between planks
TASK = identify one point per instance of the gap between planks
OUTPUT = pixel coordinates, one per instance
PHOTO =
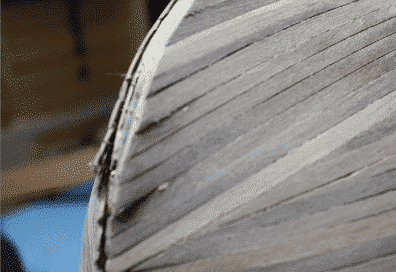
(254, 186)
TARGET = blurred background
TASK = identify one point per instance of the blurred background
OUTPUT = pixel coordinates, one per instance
(62, 63)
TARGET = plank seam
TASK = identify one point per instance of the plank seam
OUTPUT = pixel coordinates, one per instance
(310, 152)
(152, 124)
(256, 105)
(193, 121)
(356, 264)
(126, 211)
(303, 194)
(162, 89)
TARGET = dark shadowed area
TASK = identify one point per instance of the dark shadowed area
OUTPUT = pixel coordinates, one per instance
(62, 66)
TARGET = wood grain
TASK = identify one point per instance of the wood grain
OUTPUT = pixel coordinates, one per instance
(287, 87)
(270, 142)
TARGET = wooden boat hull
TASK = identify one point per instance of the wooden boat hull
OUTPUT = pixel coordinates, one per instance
(260, 141)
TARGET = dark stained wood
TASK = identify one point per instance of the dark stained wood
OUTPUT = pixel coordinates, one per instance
(303, 103)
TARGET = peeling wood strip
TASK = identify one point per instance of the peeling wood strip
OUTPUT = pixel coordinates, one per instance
(144, 66)
(101, 163)
(153, 54)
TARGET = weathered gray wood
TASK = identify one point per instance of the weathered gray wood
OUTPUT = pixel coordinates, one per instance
(186, 194)
(333, 261)
(325, 29)
(218, 42)
(384, 264)
(208, 13)
(329, 201)
(306, 69)
(166, 159)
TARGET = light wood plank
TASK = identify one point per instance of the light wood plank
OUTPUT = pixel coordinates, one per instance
(345, 245)
(330, 68)
(384, 265)
(163, 104)
(345, 196)
(292, 45)
(253, 187)
(213, 44)
(184, 149)
(186, 195)
(182, 197)
(190, 194)
(295, 240)
(208, 13)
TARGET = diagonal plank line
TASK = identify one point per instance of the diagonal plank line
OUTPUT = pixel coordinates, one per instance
(256, 105)
(136, 154)
(257, 184)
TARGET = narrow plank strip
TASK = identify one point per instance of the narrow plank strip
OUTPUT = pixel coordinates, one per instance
(348, 256)
(221, 40)
(185, 149)
(294, 240)
(136, 100)
(183, 200)
(285, 242)
(254, 186)
(309, 36)
(264, 89)
(378, 265)
(164, 106)
(187, 193)
(345, 194)
(310, 183)
(208, 13)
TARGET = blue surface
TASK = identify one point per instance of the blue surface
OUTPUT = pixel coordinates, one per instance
(48, 232)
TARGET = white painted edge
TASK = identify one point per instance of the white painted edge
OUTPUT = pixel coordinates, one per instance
(148, 65)
(150, 60)
(257, 184)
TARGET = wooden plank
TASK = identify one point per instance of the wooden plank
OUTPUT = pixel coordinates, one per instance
(187, 195)
(325, 76)
(156, 220)
(205, 14)
(307, 154)
(164, 160)
(384, 264)
(309, 36)
(228, 37)
(345, 196)
(235, 88)
(346, 256)
(124, 117)
(337, 198)
(349, 168)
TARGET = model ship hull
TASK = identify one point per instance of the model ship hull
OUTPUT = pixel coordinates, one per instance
(267, 143)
